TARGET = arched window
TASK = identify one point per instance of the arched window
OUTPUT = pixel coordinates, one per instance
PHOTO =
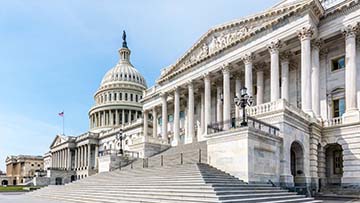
(131, 97)
(126, 96)
(115, 96)
(136, 98)
(120, 96)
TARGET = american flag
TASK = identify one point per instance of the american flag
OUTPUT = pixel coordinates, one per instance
(61, 114)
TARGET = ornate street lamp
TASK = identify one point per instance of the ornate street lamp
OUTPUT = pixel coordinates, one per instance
(242, 102)
(119, 138)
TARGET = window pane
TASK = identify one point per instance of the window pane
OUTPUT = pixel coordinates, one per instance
(341, 106)
(341, 62)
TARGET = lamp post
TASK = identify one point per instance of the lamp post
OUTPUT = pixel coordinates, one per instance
(119, 138)
(242, 102)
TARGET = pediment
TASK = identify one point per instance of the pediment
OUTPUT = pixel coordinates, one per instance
(58, 141)
(230, 34)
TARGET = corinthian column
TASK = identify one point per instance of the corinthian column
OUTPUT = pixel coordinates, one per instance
(154, 115)
(350, 70)
(191, 113)
(305, 36)
(274, 70)
(219, 104)
(315, 78)
(226, 87)
(260, 83)
(68, 159)
(207, 84)
(164, 116)
(202, 116)
(285, 75)
(146, 125)
(176, 116)
(237, 94)
(248, 61)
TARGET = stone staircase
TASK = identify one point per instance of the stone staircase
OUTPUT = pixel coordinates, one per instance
(181, 183)
(183, 154)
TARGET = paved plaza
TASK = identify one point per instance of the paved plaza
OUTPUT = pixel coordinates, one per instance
(19, 197)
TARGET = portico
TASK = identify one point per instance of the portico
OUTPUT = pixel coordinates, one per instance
(282, 67)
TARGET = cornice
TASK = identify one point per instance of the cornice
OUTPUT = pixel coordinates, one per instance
(283, 13)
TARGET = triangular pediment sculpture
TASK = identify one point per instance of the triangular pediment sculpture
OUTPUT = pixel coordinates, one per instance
(227, 35)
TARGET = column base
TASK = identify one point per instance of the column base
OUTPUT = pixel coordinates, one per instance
(351, 116)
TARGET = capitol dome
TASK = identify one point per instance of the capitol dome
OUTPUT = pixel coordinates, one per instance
(117, 101)
(124, 71)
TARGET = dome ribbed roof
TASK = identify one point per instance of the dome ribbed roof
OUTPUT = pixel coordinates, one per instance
(124, 71)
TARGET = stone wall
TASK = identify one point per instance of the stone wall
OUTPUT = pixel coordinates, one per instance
(246, 153)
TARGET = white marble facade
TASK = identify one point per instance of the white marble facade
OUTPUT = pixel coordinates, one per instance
(300, 62)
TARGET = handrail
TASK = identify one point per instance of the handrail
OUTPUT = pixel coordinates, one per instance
(163, 160)
(236, 123)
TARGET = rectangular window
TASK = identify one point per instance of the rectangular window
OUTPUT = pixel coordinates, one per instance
(338, 63)
(338, 162)
(115, 96)
(338, 107)
(170, 118)
(120, 96)
(182, 114)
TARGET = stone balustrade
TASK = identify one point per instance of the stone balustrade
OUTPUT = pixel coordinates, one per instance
(278, 105)
(333, 122)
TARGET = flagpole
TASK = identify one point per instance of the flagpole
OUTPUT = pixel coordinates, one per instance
(63, 122)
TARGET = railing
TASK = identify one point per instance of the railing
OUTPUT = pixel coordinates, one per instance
(195, 156)
(127, 153)
(333, 122)
(277, 105)
(237, 123)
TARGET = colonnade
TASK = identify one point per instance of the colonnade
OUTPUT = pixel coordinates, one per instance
(113, 117)
(279, 60)
(62, 158)
(81, 155)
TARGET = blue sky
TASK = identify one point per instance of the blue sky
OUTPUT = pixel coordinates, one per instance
(53, 55)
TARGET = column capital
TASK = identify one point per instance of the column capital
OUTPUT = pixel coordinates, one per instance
(317, 43)
(190, 83)
(350, 31)
(248, 58)
(324, 52)
(285, 56)
(163, 94)
(260, 66)
(206, 76)
(306, 33)
(274, 46)
(225, 68)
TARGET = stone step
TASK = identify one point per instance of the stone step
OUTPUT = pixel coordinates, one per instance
(198, 183)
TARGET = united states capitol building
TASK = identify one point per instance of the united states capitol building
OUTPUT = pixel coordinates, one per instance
(299, 61)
